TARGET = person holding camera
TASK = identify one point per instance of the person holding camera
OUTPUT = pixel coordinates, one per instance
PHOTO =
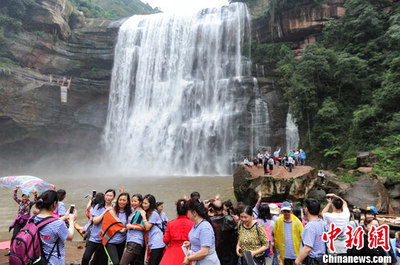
(340, 216)
(227, 236)
(54, 234)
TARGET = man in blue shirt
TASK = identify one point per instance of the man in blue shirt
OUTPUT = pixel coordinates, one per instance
(312, 247)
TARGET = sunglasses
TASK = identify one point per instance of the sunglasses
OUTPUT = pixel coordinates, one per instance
(285, 211)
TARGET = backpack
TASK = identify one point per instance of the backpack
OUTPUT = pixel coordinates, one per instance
(268, 231)
(26, 247)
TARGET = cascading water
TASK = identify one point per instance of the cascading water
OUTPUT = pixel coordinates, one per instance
(260, 122)
(172, 106)
(292, 133)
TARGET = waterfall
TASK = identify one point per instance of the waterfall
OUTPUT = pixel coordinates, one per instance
(292, 134)
(172, 105)
(260, 122)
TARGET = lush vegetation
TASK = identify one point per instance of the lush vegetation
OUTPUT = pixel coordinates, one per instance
(12, 12)
(345, 89)
(112, 8)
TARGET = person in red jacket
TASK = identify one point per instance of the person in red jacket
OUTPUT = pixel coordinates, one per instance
(177, 232)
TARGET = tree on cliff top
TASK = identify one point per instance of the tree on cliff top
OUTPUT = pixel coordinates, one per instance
(113, 8)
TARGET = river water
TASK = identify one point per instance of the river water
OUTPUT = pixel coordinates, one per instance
(166, 189)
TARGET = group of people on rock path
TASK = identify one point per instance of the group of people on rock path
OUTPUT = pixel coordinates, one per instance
(131, 229)
(266, 160)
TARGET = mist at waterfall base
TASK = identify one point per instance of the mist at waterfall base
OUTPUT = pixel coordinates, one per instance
(183, 102)
(174, 105)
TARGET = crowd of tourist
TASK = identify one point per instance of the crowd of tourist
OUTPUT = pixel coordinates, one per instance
(133, 229)
(268, 160)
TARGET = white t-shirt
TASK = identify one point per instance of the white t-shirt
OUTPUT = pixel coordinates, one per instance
(341, 220)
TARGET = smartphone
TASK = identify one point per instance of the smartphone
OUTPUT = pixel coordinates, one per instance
(71, 209)
(185, 251)
(94, 194)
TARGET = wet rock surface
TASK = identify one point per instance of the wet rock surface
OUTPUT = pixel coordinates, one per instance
(368, 190)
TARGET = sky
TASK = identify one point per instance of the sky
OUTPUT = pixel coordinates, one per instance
(184, 6)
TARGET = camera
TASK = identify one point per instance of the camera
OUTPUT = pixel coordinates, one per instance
(94, 194)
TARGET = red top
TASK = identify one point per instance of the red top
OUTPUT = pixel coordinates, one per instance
(178, 230)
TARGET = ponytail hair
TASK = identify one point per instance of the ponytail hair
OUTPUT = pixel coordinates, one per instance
(181, 208)
(47, 199)
(98, 199)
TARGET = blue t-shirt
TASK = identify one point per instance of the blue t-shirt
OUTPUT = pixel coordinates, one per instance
(312, 237)
(95, 234)
(135, 236)
(118, 238)
(290, 253)
(49, 235)
(164, 217)
(155, 233)
(201, 235)
(60, 209)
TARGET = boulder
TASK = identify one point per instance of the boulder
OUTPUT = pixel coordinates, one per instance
(365, 170)
(243, 186)
(394, 191)
(329, 174)
(366, 159)
(395, 205)
(334, 186)
(317, 194)
(274, 189)
(77, 20)
(367, 191)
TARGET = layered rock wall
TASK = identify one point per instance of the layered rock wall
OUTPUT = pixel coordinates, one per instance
(34, 123)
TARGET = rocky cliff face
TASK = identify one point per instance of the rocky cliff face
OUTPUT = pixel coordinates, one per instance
(298, 24)
(61, 43)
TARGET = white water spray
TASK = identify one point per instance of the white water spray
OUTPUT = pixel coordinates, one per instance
(172, 99)
(292, 134)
